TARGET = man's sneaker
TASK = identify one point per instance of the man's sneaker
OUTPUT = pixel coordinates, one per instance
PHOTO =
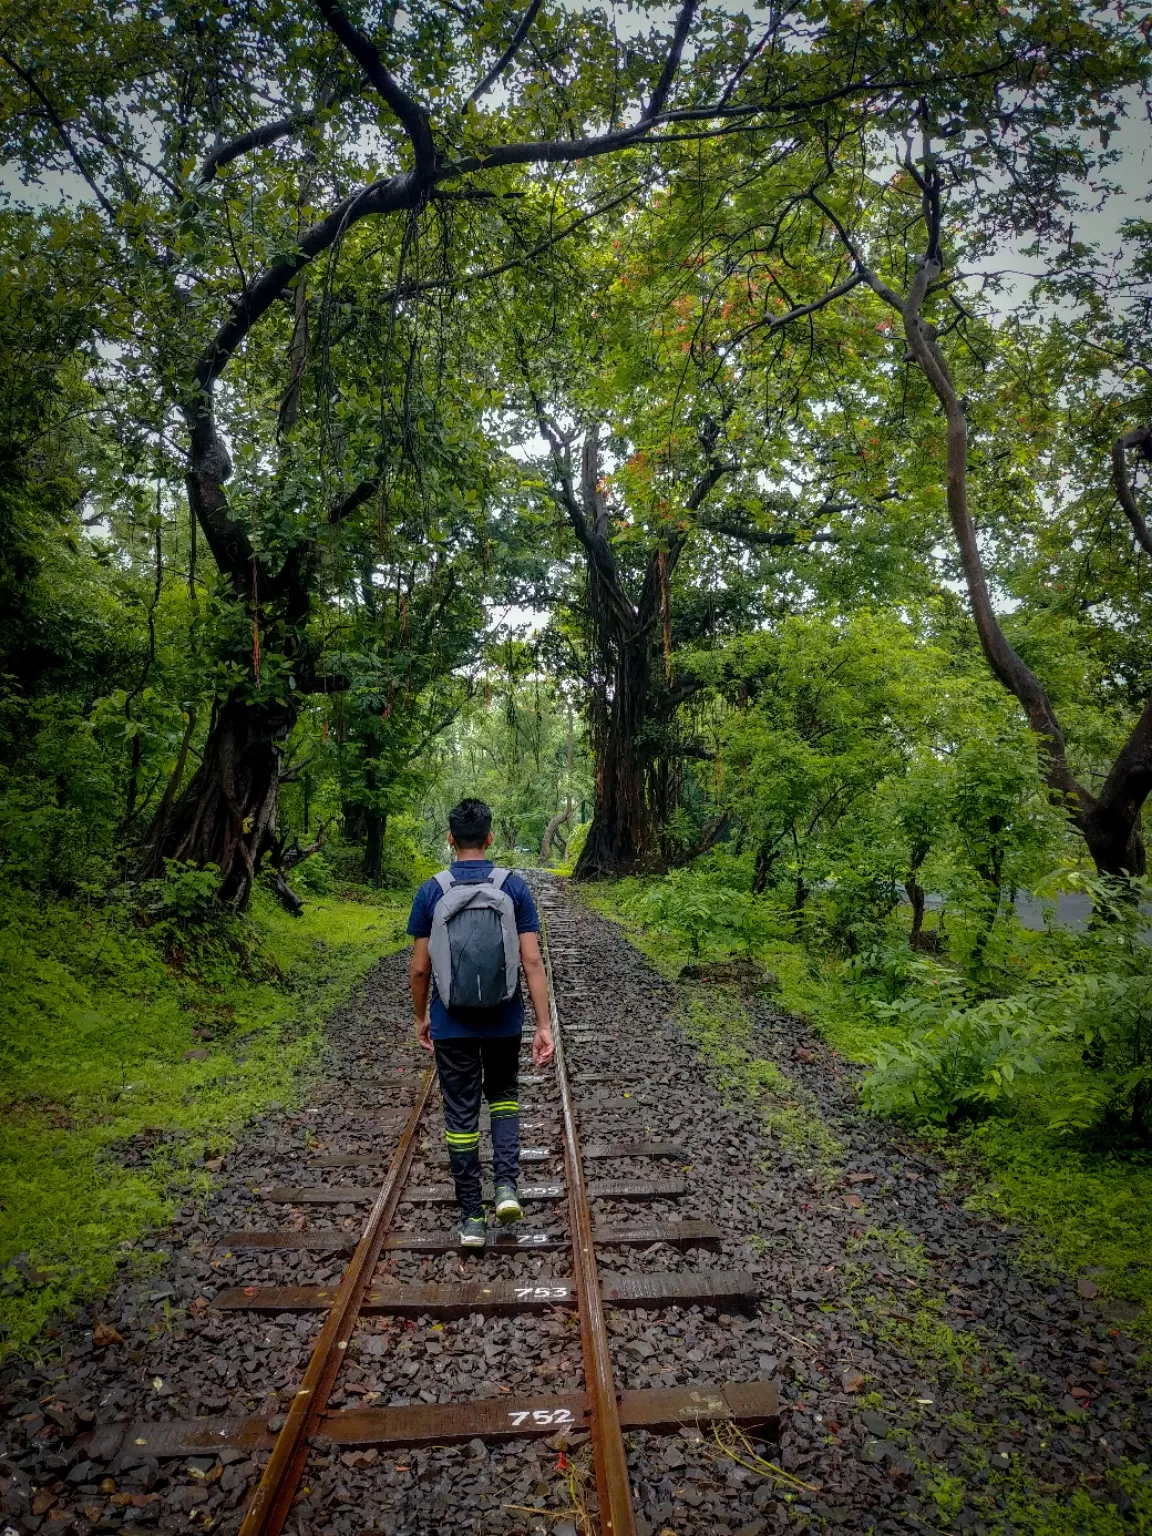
(473, 1232)
(508, 1207)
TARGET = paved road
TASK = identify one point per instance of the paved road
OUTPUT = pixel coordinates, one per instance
(1073, 910)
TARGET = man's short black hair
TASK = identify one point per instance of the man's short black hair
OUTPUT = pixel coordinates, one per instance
(470, 823)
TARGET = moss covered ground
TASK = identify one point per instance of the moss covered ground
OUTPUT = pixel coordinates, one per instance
(128, 1064)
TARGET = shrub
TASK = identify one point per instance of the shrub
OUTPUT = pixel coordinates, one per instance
(961, 1058)
(194, 929)
(881, 973)
(576, 843)
(1110, 1018)
(1104, 1013)
(687, 903)
(313, 874)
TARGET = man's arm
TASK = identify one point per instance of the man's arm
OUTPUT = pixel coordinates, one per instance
(420, 977)
(537, 978)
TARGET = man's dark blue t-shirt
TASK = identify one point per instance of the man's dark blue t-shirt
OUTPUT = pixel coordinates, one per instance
(474, 1023)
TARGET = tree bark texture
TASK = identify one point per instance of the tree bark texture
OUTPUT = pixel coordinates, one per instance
(551, 830)
(629, 799)
(632, 705)
(227, 814)
(375, 828)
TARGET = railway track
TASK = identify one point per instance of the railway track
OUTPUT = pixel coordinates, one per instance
(513, 1277)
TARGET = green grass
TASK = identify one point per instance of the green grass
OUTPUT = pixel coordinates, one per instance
(92, 1062)
(1086, 1207)
(1082, 1207)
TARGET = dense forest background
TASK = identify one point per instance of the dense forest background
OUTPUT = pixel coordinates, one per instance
(719, 438)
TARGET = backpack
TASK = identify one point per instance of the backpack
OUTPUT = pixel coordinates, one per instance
(474, 946)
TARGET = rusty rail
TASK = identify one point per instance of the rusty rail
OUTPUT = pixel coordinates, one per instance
(754, 1404)
(277, 1487)
(609, 1457)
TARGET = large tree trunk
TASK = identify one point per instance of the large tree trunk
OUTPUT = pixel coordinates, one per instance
(551, 830)
(624, 834)
(375, 827)
(632, 710)
(227, 814)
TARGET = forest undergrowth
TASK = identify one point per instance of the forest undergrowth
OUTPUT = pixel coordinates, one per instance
(140, 1035)
(1021, 1076)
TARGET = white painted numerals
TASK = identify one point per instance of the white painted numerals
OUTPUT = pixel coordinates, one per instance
(526, 1239)
(542, 1292)
(541, 1416)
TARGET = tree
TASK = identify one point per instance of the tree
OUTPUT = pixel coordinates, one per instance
(166, 214)
(306, 301)
(1108, 820)
(512, 745)
(732, 260)
(1011, 172)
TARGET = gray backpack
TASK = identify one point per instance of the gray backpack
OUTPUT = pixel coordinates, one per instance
(474, 946)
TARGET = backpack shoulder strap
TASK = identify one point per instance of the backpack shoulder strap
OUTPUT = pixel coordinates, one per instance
(445, 881)
(498, 877)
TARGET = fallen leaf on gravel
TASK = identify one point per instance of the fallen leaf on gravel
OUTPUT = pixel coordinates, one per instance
(214, 1164)
(196, 1055)
(851, 1381)
(104, 1334)
(854, 1201)
(861, 1178)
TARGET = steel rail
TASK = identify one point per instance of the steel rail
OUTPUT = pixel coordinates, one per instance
(276, 1490)
(610, 1460)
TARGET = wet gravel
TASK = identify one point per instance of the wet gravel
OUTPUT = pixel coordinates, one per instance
(928, 1377)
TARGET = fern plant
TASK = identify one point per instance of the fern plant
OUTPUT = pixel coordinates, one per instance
(960, 1057)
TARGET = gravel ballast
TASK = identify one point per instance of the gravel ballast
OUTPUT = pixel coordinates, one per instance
(930, 1380)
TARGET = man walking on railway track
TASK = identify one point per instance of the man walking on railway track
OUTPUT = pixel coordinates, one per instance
(473, 926)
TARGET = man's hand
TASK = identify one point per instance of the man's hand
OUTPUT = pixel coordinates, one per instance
(543, 1047)
(420, 975)
(537, 979)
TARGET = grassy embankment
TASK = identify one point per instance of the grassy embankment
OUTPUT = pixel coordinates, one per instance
(105, 1118)
(1083, 1207)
